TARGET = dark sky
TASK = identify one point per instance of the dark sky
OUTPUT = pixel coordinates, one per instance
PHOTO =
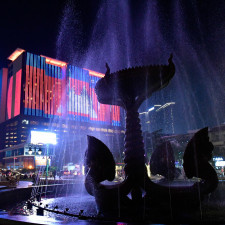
(126, 33)
(34, 25)
(30, 25)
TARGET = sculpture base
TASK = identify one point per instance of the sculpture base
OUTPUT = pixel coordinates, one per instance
(171, 201)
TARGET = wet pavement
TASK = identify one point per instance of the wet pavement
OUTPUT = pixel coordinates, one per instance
(212, 209)
(18, 219)
(24, 184)
(73, 203)
(21, 184)
(3, 187)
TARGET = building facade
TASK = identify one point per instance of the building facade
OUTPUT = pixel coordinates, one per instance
(49, 95)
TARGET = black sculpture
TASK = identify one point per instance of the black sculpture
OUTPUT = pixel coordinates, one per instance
(129, 88)
(196, 156)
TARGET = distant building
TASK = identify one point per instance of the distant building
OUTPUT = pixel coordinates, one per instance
(46, 94)
(158, 117)
(216, 136)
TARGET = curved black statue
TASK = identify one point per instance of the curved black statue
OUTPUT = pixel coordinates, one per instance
(196, 156)
(137, 195)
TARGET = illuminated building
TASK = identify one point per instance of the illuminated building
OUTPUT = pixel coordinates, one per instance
(158, 117)
(42, 93)
(46, 87)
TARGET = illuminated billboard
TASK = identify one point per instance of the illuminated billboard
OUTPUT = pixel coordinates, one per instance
(82, 103)
(42, 161)
(41, 137)
(43, 87)
(60, 90)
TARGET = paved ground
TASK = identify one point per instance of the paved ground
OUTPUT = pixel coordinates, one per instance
(86, 203)
(3, 187)
(6, 219)
(75, 203)
(24, 184)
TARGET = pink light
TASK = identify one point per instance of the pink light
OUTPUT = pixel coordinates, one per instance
(17, 93)
(9, 98)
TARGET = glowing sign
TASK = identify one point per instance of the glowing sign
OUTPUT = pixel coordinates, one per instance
(217, 159)
(38, 137)
(220, 163)
(42, 161)
(69, 91)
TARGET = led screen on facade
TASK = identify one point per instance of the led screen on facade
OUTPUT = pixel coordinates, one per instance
(82, 100)
(43, 87)
(67, 92)
(40, 137)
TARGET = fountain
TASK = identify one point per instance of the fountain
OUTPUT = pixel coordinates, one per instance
(126, 88)
(145, 38)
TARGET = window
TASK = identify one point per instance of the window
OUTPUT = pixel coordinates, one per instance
(8, 153)
(20, 151)
(34, 122)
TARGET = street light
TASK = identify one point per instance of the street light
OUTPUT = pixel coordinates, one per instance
(30, 151)
(39, 151)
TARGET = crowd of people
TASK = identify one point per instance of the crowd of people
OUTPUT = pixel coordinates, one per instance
(12, 177)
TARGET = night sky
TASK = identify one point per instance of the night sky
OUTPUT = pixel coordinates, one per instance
(88, 33)
(34, 25)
